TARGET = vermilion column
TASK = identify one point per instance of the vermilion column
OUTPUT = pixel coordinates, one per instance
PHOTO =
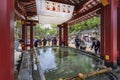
(60, 35)
(66, 34)
(7, 40)
(118, 35)
(102, 35)
(110, 27)
(31, 35)
(24, 37)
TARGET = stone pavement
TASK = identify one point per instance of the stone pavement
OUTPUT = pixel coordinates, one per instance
(87, 49)
(117, 72)
(16, 58)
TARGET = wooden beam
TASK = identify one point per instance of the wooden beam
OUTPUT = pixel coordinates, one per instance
(19, 15)
(22, 8)
(62, 1)
(79, 6)
(75, 1)
(30, 5)
(31, 13)
(24, 0)
(82, 14)
(32, 21)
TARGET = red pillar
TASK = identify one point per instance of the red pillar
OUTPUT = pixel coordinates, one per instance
(118, 33)
(60, 35)
(102, 35)
(65, 34)
(31, 35)
(24, 46)
(7, 40)
(110, 27)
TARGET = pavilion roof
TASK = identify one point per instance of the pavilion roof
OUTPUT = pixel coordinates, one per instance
(84, 9)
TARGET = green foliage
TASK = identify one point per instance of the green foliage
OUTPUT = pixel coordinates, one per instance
(39, 32)
(85, 25)
(43, 32)
(18, 29)
(52, 32)
(18, 24)
(53, 26)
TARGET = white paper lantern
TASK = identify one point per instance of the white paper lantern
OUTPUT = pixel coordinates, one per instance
(52, 12)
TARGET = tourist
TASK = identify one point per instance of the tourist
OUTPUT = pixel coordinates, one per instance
(44, 42)
(40, 42)
(96, 45)
(83, 44)
(77, 42)
(36, 43)
(49, 40)
(18, 53)
(18, 45)
(54, 41)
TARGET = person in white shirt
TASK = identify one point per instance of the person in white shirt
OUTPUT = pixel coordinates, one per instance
(18, 54)
(18, 45)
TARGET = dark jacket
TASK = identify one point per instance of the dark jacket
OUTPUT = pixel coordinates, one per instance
(96, 45)
(36, 43)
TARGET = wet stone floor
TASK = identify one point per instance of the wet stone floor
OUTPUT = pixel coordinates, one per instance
(58, 62)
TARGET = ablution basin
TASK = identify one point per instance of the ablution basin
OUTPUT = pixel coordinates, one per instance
(65, 63)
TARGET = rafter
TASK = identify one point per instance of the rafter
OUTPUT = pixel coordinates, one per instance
(31, 4)
(78, 7)
(62, 1)
(22, 8)
(26, 0)
(19, 15)
(97, 7)
(75, 1)
(30, 13)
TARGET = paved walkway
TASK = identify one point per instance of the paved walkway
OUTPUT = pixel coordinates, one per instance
(87, 49)
(16, 58)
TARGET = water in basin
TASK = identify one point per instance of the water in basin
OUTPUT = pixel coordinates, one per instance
(64, 62)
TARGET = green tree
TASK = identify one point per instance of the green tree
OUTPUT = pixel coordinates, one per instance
(39, 32)
(85, 25)
(43, 32)
(18, 28)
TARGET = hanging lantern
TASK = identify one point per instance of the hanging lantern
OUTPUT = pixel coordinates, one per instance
(52, 12)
